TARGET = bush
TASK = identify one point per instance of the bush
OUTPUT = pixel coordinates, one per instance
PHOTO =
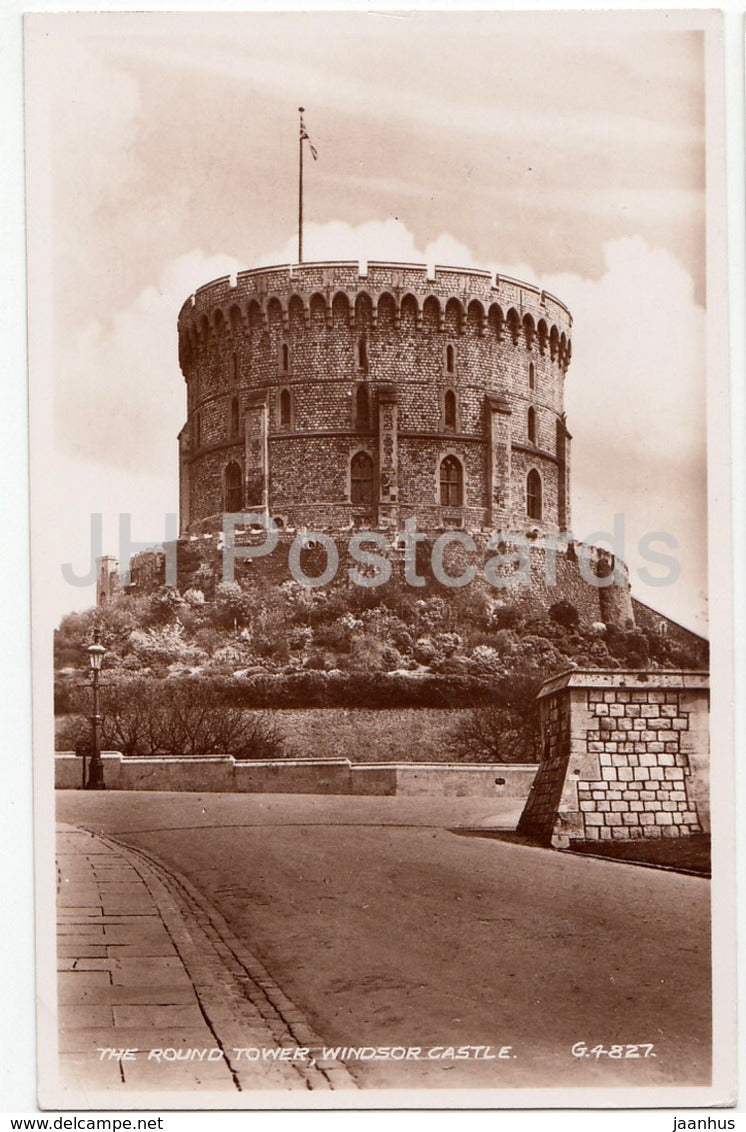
(175, 717)
(564, 613)
(303, 689)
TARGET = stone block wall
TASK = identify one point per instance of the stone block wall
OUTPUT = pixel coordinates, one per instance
(316, 333)
(224, 774)
(550, 575)
(625, 755)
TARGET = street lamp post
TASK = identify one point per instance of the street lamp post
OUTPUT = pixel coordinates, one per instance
(96, 767)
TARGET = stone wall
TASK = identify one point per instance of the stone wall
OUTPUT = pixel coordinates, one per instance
(625, 755)
(654, 622)
(224, 774)
(308, 341)
(551, 575)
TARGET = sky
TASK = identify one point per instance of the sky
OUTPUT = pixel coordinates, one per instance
(566, 149)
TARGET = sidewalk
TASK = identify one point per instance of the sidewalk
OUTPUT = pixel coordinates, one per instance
(145, 964)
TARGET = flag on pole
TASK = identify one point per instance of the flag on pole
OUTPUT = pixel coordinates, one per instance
(304, 137)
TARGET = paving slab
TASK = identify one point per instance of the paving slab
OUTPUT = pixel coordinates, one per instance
(156, 1017)
(84, 1072)
(98, 1038)
(79, 980)
(73, 1016)
(145, 949)
(79, 948)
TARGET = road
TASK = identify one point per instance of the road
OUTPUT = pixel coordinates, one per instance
(388, 927)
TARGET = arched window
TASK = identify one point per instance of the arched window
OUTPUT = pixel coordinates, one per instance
(361, 479)
(234, 417)
(533, 494)
(362, 353)
(285, 358)
(233, 493)
(532, 425)
(531, 375)
(362, 407)
(450, 358)
(285, 409)
(451, 482)
(449, 409)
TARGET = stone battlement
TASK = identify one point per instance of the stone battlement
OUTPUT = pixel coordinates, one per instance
(515, 571)
(477, 296)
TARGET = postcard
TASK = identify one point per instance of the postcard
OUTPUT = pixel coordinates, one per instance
(379, 423)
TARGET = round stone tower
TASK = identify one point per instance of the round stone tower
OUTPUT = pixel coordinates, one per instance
(341, 395)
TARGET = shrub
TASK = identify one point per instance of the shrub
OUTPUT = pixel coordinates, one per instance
(176, 717)
(506, 616)
(232, 608)
(335, 637)
(564, 613)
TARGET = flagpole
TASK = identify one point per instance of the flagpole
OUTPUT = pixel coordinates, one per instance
(300, 187)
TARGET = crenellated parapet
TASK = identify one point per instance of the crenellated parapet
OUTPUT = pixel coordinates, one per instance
(458, 300)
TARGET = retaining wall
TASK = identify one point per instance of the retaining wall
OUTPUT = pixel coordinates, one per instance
(224, 774)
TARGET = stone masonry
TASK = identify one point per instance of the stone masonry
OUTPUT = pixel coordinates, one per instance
(337, 395)
(625, 755)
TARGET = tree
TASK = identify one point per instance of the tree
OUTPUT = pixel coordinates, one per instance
(506, 728)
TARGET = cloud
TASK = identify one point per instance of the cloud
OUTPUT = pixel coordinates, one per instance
(382, 240)
(119, 392)
(635, 396)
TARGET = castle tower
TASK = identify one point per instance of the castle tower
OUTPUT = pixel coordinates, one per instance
(343, 395)
(107, 579)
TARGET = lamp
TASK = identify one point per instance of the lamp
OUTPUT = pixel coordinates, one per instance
(96, 653)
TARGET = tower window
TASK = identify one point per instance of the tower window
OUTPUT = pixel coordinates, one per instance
(285, 358)
(285, 409)
(531, 375)
(532, 425)
(450, 358)
(233, 487)
(361, 479)
(234, 369)
(234, 421)
(451, 482)
(362, 353)
(362, 407)
(449, 409)
(533, 494)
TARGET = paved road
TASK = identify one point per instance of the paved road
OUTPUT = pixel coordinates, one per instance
(385, 927)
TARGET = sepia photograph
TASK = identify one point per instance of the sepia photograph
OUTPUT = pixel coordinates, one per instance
(379, 416)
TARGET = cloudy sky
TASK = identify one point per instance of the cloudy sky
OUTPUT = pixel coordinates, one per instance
(566, 149)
